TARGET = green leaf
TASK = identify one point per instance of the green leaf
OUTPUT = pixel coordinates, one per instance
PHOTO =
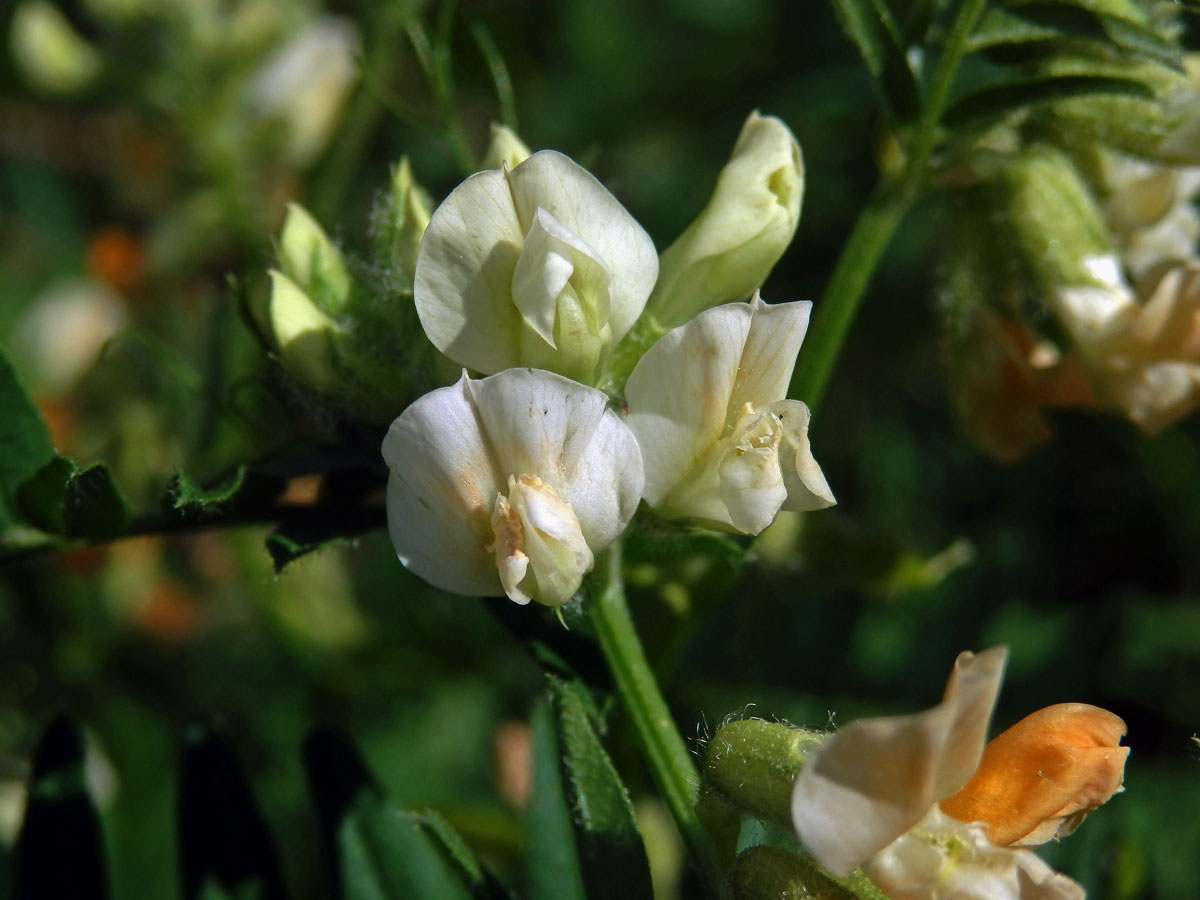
(1004, 99)
(60, 849)
(185, 494)
(869, 24)
(61, 499)
(311, 528)
(378, 851)
(24, 440)
(225, 848)
(1043, 23)
(552, 861)
(612, 857)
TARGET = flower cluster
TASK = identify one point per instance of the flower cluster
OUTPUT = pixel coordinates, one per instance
(532, 274)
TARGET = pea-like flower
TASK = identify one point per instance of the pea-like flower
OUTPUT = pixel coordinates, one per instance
(869, 796)
(509, 484)
(538, 266)
(721, 444)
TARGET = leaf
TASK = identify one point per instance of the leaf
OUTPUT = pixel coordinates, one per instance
(612, 857)
(1058, 21)
(62, 499)
(378, 851)
(552, 861)
(869, 24)
(25, 441)
(1001, 100)
(60, 849)
(225, 848)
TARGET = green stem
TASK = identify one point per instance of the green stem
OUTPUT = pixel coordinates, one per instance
(670, 761)
(877, 223)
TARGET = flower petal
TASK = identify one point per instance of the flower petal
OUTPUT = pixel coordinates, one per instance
(1049, 769)
(769, 353)
(944, 858)
(679, 393)
(539, 423)
(572, 195)
(463, 283)
(876, 778)
(441, 492)
(807, 488)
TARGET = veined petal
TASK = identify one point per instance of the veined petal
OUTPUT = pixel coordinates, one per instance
(553, 541)
(944, 858)
(769, 353)
(464, 274)
(539, 423)
(572, 195)
(1038, 779)
(679, 392)
(876, 778)
(541, 273)
(441, 492)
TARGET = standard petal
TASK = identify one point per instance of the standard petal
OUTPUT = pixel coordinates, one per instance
(539, 423)
(463, 283)
(769, 353)
(574, 197)
(441, 493)
(679, 394)
(876, 778)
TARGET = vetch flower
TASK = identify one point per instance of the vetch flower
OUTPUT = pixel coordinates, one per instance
(730, 248)
(869, 795)
(538, 266)
(1143, 349)
(721, 444)
(509, 484)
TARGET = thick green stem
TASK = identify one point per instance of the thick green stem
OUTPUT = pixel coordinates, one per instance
(878, 222)
(670, 762)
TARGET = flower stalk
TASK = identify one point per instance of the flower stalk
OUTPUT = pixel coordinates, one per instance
(666, 754)
(877, 223)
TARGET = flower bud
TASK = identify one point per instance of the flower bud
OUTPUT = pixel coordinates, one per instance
(302, 333)
(302, 87)
(752, 763)
(48, 51)
(506, 150)
(309, 258)
(730, 248)
(401, 222)
(1037, 780)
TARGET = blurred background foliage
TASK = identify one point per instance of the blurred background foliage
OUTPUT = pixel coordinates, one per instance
(128, 199)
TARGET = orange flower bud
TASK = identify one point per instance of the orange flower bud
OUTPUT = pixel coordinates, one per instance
(1041, 777)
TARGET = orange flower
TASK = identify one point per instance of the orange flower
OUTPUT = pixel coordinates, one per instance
(1040, 778)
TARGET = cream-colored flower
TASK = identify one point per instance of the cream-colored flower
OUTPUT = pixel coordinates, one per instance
(869, 796)
(509, 484)
(721, 443)
(1149, 210)
(1143, 350)
(728, 251)
(535, 266)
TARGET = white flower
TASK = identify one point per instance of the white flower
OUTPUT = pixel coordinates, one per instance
(1149, 210)
(728, 251)
(304, 83)
(537, 266)
(869, 795)
(720, 442)
(1143, 350)
(509, 484)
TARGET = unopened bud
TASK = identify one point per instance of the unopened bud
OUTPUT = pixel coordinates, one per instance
(505, 149)
(401, 222)
(730, 248)
(302, 334)
(309, 258)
